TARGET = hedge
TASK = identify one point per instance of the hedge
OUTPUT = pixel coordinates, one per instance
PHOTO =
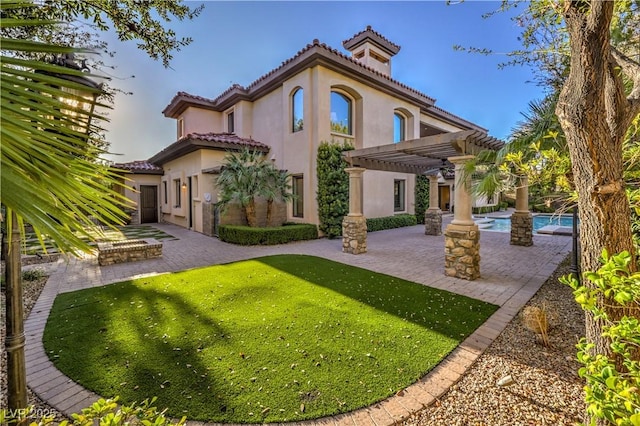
(247, 236)
(422, 197)
(485, 209)
(390, 222)
(333, 187)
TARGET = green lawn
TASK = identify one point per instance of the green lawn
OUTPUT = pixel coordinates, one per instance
(279, 338)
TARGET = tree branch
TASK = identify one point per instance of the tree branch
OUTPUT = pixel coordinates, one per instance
(631, 69)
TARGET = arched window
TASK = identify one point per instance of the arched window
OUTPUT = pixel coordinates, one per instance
(297, 110)
(341, 114)
(399, 126)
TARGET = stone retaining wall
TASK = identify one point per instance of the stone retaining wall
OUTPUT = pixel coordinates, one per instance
(128, 251)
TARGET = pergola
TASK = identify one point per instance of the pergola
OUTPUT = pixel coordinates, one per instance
(425, 156)
(419, 156)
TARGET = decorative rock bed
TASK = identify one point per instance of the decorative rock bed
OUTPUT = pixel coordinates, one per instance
(128, 251)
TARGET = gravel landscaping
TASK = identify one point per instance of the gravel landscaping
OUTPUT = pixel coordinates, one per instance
(546, 388)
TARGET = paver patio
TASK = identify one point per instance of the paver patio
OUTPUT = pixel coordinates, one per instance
(510, 276)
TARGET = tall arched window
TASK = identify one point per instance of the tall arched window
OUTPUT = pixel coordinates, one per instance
(297, 110)
(399, 126)
(341, 114)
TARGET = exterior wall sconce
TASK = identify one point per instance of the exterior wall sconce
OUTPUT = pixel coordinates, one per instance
(184, 186)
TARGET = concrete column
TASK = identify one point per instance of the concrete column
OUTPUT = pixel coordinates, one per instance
(433, 215)
(462, 237)
(355, 190)
(354, 225)
(521, 219)
(522, 194)
(462, 205)
(433, 192)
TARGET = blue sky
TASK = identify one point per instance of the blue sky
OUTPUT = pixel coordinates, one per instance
(237, 42)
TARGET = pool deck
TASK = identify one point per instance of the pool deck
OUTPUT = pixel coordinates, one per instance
(510, 276)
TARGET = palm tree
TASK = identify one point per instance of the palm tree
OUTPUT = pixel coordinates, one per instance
(247, 176)
(279, 188)
(539, 132)
(50, 177)
(243, 178)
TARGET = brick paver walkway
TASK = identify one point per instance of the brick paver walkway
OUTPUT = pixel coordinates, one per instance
(511, 275)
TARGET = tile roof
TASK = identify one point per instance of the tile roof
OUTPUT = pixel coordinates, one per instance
(208, 141)
(316, 43)
(374, 36)
(141, 166)
(305, 56)
(311, 48)
(225, 138)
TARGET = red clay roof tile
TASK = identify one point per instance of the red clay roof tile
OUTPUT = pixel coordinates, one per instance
(226, 138)
(137, 166)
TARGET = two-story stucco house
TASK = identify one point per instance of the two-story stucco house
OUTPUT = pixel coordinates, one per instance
(320, 94)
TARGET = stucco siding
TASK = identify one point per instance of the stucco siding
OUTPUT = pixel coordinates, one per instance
(132, 181)
(196, 120)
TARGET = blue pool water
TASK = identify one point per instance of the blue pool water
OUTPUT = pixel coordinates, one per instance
(539, 221)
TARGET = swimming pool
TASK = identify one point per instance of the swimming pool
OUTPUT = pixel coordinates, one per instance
(539, 221)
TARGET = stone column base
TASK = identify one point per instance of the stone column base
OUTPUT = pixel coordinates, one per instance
(462, 251)
(433, 222)
(521, 229)
(354, 234)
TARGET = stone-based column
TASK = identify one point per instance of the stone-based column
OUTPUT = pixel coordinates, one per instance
(354, 225)
(433, 215)
(521, 219)
(462, 237)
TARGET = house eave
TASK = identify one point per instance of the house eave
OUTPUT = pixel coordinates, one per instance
(187, 146)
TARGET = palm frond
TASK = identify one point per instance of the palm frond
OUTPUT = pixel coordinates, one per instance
(50, 177)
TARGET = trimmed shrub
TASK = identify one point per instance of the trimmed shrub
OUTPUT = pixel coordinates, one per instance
(333, 187)
(422, 197)
(485, 209)
(247, 236)
(390, 222)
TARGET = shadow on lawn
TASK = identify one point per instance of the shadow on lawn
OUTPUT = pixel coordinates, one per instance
(153, 348)
(449, 314)
(127, 351)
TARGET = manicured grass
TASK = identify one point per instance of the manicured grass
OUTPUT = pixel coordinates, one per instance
(278, 338)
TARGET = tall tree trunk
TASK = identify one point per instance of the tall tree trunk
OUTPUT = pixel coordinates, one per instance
(595, 115)
(250, 211)
(15, 338)
(269, 211)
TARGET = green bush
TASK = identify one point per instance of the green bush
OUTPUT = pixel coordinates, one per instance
(33, 274)
(422, 197)
(27, 275)
(102, 412)
(390, 222)
(611, 390)
(333, 187)
(247, 236)
(485, 209)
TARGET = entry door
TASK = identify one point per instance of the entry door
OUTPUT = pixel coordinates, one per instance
(445, 198)
(148, 204)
